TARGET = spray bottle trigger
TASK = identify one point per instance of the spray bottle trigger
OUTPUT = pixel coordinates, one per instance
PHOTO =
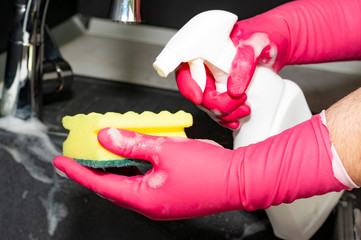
(198, 72)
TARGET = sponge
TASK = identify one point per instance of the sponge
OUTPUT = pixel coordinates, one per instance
(82, 144)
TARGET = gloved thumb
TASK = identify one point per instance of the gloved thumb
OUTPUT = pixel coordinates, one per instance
(243, 67)
(130, 144)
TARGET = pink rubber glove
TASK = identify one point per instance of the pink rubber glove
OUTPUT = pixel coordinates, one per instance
(304, 31)
(221, 107)
(193, 178)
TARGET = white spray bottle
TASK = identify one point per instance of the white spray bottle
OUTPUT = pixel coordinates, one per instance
(276, 104)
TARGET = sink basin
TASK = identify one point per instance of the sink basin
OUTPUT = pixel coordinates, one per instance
(36, 203)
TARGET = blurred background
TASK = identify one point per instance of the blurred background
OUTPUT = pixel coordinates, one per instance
(163, 13)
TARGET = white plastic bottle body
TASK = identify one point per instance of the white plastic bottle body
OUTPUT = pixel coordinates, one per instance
(278, 104)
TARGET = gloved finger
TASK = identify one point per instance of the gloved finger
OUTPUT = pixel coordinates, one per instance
(71, 168)
(242, 70)
(241, 112)
(130, 144)
(111, 186)
(221, 103)
(88, 177)
(187, 86)
(231, 125)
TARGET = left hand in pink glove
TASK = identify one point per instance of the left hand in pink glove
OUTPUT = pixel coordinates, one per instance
(221, 107)
(193, 178)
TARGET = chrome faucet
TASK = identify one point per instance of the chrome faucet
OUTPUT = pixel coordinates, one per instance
(21, 95)
(126, 11)
(34, 64)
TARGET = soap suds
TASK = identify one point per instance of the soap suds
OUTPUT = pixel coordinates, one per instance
(119, 140)
(253, 228)
(28, 144)
(157, 179)
(37, 172)
(115, 136)
(155, 159)
(32, 126)
(31, 237)
(135, 142)
(258, 41)
(357, 225)
(178, 139)
(25, 193)
(55, 211)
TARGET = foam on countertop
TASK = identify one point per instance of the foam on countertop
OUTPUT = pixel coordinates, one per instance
(29, 145)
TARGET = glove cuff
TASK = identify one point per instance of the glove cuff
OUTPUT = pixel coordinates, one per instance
(338, 169)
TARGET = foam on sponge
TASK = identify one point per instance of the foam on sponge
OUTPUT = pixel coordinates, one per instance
(82, 144)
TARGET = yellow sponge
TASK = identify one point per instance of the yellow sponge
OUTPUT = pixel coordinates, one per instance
(82, 144)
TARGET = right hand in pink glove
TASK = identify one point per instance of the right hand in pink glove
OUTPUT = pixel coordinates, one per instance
(221, 107)
(193, 178)
(304, 31)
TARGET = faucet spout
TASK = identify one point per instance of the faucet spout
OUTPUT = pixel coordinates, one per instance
(34, 65)
(126, 11)
(22, 95)
(26, 66)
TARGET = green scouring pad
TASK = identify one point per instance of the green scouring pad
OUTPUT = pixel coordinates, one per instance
(125, 162)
